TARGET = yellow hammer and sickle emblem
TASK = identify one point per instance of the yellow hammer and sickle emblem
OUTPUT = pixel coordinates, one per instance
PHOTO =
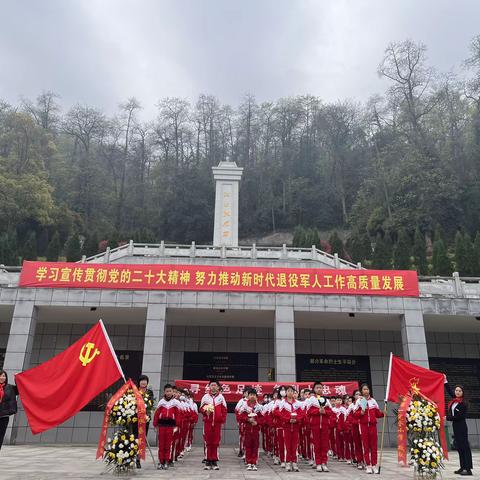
(86, 354)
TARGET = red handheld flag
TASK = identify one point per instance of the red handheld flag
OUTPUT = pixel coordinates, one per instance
(59, 388)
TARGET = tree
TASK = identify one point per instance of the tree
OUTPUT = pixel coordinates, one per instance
(336, 244)
(29, 250)
(359, 247)
(462, 259)
(73, 249)
(382, 254)
(299, 235)
(441, 264)
(90, 248)
(476, 256)
(54, 247)
(401, 252)
(420, 252)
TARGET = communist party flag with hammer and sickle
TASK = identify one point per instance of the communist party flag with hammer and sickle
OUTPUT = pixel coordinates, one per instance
(59, 388)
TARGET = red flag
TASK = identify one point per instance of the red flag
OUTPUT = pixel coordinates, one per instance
(403, 374)
(59, 388)
(405, 378)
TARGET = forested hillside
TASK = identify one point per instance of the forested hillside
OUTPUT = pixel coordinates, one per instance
(400, 172)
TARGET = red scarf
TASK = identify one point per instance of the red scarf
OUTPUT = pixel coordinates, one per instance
(455, 400)
(2, 390)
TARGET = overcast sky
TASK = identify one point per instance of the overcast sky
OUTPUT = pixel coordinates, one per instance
(101, 52)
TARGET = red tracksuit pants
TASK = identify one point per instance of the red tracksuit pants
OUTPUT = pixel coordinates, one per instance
(251, 443)
(348, 445)
(368, 434)
(340, 444)
(281, 444)
(357, 443)
(333, 445)
(212, 434)
(291, 435)
(320, 438)
(165, 442)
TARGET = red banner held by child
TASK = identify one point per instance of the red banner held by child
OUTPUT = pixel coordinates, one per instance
(233, 391)
(391, 283)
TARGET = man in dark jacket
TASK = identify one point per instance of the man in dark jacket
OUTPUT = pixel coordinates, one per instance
(8, 403)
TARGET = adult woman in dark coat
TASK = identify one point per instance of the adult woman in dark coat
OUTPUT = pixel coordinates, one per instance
(457, 414)
(8, 403)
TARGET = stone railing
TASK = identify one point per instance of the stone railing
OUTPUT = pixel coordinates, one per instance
(251, 252)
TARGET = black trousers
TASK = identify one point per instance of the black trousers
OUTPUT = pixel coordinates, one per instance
(465, 455)
(3, 428)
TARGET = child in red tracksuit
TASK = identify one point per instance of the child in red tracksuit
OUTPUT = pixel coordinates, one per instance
(318, 412)
(214, 410)
(347, 431)
(165, 421)
(250, 416)
(368, 412)
(340, 412)
(292, 414)
(278, 427)
(357, 441)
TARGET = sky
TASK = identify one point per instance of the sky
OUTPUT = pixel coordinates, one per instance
(101, 52)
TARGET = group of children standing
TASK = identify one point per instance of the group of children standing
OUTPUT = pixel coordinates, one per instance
(308, 425)
(175, 418)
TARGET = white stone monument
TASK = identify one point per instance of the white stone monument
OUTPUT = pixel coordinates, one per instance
(227, 177)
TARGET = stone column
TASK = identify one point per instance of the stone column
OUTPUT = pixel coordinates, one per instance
(19, 348)
(413, 338)
(153, 348)
(285, 370)
(227, 177)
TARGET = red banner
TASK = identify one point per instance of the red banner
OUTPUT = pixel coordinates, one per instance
(233, 391)
(393, 283)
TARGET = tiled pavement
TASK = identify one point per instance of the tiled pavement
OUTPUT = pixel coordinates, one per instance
(76, 462)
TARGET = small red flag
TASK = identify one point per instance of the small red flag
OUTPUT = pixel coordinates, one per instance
(59, 388)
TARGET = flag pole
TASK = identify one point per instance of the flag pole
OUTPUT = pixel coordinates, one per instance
(387, 391)
(112, 350)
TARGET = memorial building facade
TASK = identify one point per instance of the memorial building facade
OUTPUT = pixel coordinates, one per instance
(238, 313)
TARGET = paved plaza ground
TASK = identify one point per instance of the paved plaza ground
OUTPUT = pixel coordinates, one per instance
(77, 462)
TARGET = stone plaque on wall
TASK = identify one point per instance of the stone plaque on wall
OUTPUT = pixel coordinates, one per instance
(333, 368)
(220, 366)
(462, 371)
(131, 363)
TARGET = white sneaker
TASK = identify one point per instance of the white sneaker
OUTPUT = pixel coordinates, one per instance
(295, 467)
(325, 468)
(254, 468)
(319, 468)
(310, 462)
(359, 466)
(249, 467)
(349, 462)
(375, 469)
(369, 469)
(276, 461)
(283, 465)
(288, 467)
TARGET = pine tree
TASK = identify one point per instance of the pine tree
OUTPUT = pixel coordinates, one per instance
(441, 264)
(462, 262)
(382, 255)
(476, 256)
(54, 247)
(29, 250)
(91, 244)
(312, 237)
(73, 250)
(401, 252)
(12, 257)
(420, 252)
(337, 245)
(3, 249)
(359, 247)
(469, 254)
(299, 235)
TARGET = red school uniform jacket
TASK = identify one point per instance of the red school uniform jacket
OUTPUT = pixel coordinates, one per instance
(247, 409)
(314, 416)
(219, 414)
(286, 409)
(371, 413)
(167, 413)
